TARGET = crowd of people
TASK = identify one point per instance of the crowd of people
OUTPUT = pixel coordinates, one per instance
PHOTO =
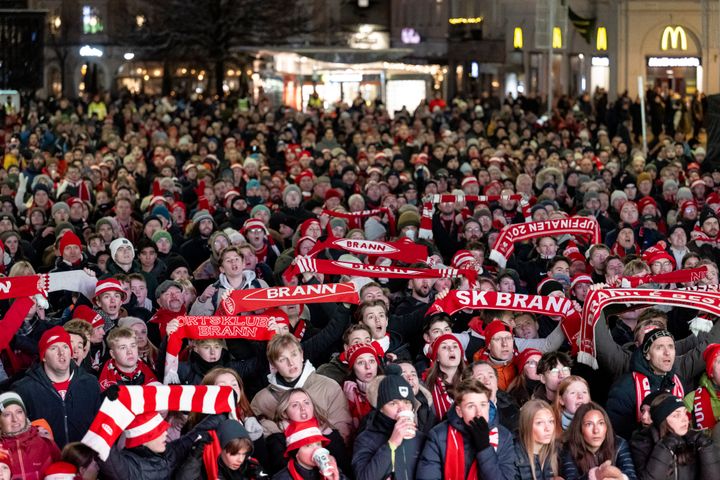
(179, 210)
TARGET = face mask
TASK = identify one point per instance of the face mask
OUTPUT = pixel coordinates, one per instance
(562, 278)
(411, 234)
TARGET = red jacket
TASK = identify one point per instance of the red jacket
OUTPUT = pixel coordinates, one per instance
(30, 453)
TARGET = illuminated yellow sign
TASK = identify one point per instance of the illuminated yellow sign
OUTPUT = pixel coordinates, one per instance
(465, 20)
(518, 38)
(675, 36)
(601, 42)
(557, 38)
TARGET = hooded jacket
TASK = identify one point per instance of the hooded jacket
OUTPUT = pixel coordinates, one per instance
(491, 464)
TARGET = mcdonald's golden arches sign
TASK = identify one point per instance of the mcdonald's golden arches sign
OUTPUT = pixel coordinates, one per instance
(674, 38)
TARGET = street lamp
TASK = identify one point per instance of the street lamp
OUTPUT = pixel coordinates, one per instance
(55, 24)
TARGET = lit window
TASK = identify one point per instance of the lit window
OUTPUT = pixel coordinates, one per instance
(601, 43)
(91, 20)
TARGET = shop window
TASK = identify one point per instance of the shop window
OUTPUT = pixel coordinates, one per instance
(92, 23)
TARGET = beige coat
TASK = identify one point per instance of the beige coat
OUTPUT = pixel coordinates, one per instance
(326, 394)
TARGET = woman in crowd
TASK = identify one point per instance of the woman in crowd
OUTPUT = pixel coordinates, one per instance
(30, 448)
(84, 458)
(527, 379)
(445, 372)
(364, 361)
(573, 391)
(592, 450)
(669, 448)
(536, 451)
(226, 457)
(296, 406)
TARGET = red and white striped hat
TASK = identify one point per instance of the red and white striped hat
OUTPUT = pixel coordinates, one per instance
(461, 258)
(581, 278)
(109, 285)
(299, 434)
(146, 427)
(469, 181)
(61, 471)
(253, 223)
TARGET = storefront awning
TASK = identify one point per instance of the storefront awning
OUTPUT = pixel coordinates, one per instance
(352, 55)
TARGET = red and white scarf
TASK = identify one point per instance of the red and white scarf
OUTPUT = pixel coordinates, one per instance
(678, 276)
(505, 243)
(250, 327)
(111, 375)
(237, 301)
(355, 219)
(457, 300)
(455, 455)
(442, 401)
(403, 250)
(116, 413)
(429, 207)
(703, 413)
(642, 390)
(351, 269)
(705, 299)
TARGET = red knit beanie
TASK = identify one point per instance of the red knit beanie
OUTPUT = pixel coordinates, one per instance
(68, 238)
(524, 356)
(493, 328)
(709, 355)
(51, 337)
(435, 347)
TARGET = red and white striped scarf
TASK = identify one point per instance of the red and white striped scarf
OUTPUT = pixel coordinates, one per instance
(442, 401)
(578, 226)
(642, 390)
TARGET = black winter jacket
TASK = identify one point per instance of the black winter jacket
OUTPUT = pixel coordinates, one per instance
(622, 403)
(522, 466)
(69, 418)
(656, 459)
(372, 457)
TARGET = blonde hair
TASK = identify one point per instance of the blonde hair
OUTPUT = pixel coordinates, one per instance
(525, 435)
(562, 388)
(118, 333)
(280, 343)
(21, 269)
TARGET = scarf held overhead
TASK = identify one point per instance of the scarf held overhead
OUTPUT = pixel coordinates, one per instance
(706, 299)
(505, 243)
(457, 300)
(250, 327)
(236, 301)
(116, 413)
(403, 250)
(679, 276)
(351, 269)
(429, 207)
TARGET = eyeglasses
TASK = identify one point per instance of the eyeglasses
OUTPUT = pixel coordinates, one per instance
(556, 371)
